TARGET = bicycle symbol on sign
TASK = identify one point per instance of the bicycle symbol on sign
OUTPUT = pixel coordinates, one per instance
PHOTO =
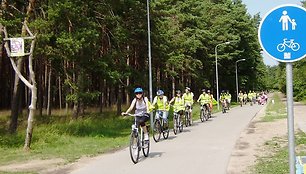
(288, 43)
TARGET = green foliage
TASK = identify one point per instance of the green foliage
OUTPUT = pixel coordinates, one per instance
(275, 111)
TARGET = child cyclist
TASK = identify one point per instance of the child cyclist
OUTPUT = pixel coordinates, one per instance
(178, 105)
(161, 105)
(205, 100)
(142, 106)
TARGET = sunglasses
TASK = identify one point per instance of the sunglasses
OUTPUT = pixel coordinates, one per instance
(138, 93)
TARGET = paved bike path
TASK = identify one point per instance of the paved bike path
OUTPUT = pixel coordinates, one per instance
(202, 148)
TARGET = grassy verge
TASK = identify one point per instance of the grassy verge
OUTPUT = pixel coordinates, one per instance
(277, 161)
(276, 110)
(68, 140)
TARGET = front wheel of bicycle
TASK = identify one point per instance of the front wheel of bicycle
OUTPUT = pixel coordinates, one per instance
(281, 47)
(165, 130)
(156, 130)
(134, 147)
(175, 124)
(145, 147)
(202, 115)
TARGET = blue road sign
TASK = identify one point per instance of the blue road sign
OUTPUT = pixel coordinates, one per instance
(282, 33)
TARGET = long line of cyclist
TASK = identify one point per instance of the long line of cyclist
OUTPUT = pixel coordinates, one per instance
(182, 113)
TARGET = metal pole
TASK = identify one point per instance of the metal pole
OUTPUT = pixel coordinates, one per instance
(290, 115)
(150, 61)
(217, 80)
(237, 81)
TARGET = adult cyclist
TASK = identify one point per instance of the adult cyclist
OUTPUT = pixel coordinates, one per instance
(160, 102)
(240, 97)
(141, 105)
(188, 101)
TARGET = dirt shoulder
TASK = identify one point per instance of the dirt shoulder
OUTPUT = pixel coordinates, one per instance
(250, 145)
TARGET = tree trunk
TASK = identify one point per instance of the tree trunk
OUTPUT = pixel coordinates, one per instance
(60, 92)
(49, 91)
(119, 100)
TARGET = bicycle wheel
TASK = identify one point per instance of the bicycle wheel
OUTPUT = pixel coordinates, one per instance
(180, 123)
(175, 124)
(281, 47)
(156, 130)
(202, 115)
(295, 46)
(186, 119)
(134, 147)
(165, 129)
(145, 146)
(206, 114)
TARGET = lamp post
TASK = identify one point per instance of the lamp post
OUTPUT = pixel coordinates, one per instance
(217, 80)
(237, 76)
(150, 59)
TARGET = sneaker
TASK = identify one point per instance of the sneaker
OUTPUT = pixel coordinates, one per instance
(146, 137)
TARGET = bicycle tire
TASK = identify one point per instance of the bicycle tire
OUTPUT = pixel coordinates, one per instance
(186, 119)
(145, 146)
(134, 147)
(206, 114)
(165, 131)
(202, 115)
(156, 130)
(295, 46)
(180, 124)
(281, 47)
(175, 125)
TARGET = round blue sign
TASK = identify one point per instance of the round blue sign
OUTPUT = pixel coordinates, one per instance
(282, 33)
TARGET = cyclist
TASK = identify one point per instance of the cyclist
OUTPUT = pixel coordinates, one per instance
(141, 105)
(250, 96)
(205, 100)
(188, 101)
(228, 98)
(178, 105)
(160, 102)
(245, 97)
(212, 100)
(223, 99)
(240, 97)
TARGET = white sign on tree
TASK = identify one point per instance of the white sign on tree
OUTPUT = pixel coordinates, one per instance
(17, 47)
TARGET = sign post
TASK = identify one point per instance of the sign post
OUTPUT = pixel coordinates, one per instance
(281, 35)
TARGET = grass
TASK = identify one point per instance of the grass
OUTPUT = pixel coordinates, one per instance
(277, 161)
(68, 140)
(276, 110)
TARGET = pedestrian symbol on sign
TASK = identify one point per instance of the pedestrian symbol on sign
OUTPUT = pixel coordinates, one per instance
(285, 19)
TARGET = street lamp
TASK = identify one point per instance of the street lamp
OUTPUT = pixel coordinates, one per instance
(216, 53)
(150, 59)
(237, 76)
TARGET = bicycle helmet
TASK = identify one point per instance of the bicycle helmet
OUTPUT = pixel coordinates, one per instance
(160, 92)
(178, 91)
(188, 88)
(203, 90)
(208, 91)
(138, 90)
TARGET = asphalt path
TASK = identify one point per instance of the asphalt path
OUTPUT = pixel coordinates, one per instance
(202, 148)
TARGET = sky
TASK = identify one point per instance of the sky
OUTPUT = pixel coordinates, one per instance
(263, 7)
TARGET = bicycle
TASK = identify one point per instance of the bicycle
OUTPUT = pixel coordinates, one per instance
(204, 113)
(137, 142)
(177, 122)
(224, 103)
(187, 116)
(240, 102)
(160, 126)
(290, 44)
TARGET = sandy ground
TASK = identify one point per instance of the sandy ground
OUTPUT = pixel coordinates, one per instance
(250, 144)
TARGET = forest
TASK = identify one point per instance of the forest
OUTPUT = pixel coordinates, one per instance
(92, 54)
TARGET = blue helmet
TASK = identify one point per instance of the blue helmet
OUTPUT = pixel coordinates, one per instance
(160, 92)
(138, 90)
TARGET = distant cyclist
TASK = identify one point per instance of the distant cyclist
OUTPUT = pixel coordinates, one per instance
(188, 100)
(228, 98)
(141, 105)
(240, 97)
(161, 105)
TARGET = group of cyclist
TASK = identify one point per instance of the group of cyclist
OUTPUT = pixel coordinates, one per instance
(252, 97)
(180, 102)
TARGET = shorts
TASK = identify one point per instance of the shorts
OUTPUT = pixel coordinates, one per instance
(163, 114)
(142, 120)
